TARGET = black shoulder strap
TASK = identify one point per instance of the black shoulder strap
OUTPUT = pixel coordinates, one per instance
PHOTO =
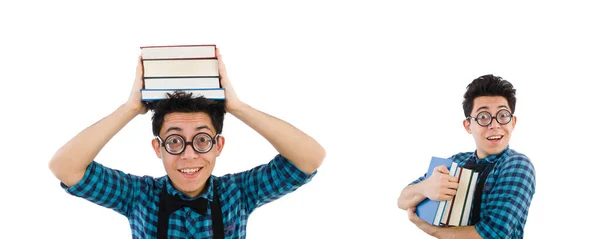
(217, 215)
(476, 205)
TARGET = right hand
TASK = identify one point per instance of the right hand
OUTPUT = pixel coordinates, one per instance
(440, 186)
(135, 96)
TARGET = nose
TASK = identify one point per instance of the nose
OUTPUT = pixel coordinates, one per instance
(189, 152)
(494, 123)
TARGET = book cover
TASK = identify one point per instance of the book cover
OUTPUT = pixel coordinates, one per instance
(428, 208)
(181, 68)
(159, 94)
(178, 51)
(183, 83)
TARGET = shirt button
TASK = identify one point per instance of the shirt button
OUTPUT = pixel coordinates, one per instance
(189, 214)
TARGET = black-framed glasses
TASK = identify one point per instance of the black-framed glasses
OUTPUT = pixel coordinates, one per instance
(485, 118)
(175, 144)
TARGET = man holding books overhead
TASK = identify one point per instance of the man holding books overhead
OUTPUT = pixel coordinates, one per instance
(505, 183)
(188, 202)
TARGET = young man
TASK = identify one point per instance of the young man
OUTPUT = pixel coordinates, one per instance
(188, 202)
(503, 199)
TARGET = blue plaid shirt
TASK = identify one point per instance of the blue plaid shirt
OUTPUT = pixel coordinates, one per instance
(506, 195)
(137, 197)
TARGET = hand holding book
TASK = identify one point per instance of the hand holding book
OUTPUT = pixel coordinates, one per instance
(135, 97)
(441, 186)
(232, 102)
(449, 190)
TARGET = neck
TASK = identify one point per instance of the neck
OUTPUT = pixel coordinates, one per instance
(194, 193)
(481, 154)
(191, 194)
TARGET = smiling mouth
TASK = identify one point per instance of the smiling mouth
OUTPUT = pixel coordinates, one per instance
(495, 137)
(190, 170)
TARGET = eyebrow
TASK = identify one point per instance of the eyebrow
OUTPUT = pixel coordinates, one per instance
(179, 129)
(485, 107)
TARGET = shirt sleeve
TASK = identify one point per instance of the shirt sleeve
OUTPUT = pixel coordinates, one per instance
(509, 199)
(418, 180)
(106, 187)
(268, 182)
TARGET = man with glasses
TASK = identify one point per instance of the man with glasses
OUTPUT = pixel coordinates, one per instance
(506, 181)
(189, 202)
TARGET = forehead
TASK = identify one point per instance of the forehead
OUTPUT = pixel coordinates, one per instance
(187, 121)
(489, 103)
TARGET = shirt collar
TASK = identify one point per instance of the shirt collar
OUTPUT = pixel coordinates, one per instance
(207, 193)
(490, 158)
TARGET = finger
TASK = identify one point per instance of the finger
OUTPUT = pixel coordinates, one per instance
(411, 214)
(446, 197)
(452, 179)
(442, 169)
(452, 185)
(449, 192)
(222, 69)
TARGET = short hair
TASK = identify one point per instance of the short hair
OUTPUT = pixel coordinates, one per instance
(489, 85)
(182, 102)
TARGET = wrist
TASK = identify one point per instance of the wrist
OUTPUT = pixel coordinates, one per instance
(133, 109)
(237, 108)
(421, 188)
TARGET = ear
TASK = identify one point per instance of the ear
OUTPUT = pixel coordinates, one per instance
(156, 147)
(467, 125)
(220, 144)
(514, 121)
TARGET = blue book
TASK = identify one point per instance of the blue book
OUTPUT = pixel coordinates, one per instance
(428, 208)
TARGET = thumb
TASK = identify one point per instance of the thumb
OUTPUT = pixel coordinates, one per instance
(442, 169)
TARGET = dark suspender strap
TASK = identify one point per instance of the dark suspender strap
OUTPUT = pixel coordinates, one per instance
(475, 211)
(163, 217)
(217, 215)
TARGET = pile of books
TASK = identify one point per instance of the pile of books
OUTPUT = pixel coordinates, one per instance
(190, 68)
(454, 212)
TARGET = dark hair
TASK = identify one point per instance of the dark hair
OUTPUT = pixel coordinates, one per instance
(489, 85)
(183, 102)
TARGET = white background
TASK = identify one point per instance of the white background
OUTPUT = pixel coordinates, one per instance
(378, 84)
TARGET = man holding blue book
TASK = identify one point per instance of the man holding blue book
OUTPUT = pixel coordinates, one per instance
(506, 182)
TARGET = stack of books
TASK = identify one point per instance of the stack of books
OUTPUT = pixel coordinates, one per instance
(190, 68)
(454, 212)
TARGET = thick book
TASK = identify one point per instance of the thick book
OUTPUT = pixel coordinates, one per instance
(183, 83)
(456, 212)
(179, 51)
(428, 208)
(181, 68)
(160, 94)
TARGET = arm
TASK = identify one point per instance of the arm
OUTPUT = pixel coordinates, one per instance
(507, 203)
(268, 182)
(301, 149)
(463, 232)
(71, 160)
(411, 196)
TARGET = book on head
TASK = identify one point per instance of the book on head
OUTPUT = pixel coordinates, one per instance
(179, 51)
(160, 94)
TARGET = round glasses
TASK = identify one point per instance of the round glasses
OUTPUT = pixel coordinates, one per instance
(175, 144)
(485, 118)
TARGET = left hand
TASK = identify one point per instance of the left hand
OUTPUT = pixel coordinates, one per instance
(420, 223)
(232, 102)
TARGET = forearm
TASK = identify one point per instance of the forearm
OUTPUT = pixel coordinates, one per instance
(411, 196)
(302, 150)
(462, 232)
(70, 161)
